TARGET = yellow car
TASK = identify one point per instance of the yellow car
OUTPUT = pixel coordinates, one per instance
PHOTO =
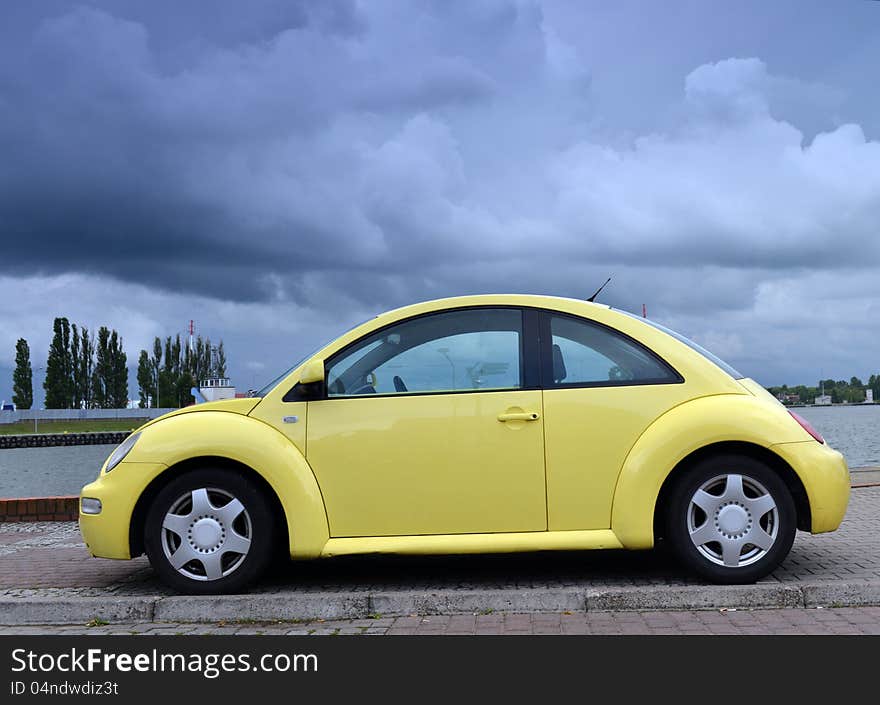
(477, 424)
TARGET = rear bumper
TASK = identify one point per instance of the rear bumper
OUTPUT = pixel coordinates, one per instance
(106, 535)
(825, 476)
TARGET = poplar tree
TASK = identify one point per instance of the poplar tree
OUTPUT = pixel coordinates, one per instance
(59, 393)
(117, 374)
(76, 384)
(22, 377)
(145, 380)
(101, 373)
(221, 360)
(86, 368)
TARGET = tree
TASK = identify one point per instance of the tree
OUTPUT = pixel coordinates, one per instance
(157, 361)
(221, 360)
(22, 377)
(101, 373)
(198, 368)
(86, 368)
(146, 388)
(175, 357)
(187, 380)
(183, 376)
(117, 380)
(59, 394)
(166, 377)
(110, 376)
(75, 381)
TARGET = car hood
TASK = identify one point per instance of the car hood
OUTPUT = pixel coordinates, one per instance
(236, 406)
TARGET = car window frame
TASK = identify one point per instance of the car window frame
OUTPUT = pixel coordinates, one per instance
(546, 356)
(529, 355)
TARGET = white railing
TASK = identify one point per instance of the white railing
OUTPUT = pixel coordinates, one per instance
(68, 414)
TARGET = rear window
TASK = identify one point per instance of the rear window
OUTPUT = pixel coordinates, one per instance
(691, 344)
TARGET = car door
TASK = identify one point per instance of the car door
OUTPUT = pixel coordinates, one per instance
(602, 389)
(432, 426)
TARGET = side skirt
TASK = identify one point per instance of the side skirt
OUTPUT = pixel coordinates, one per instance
(474, 543)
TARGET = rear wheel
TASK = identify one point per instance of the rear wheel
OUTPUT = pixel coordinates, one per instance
(209, 531)
(731, 519)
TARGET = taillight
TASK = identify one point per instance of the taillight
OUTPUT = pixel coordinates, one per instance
(806, 426)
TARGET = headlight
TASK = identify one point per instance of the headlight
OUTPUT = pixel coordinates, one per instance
(123, 449)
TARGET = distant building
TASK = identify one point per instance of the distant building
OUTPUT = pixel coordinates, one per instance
(216, 388)
(869, 396)
(823, 400)
(787, 398)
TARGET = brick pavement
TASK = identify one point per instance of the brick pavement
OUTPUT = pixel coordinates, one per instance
(50, 556)
(46, 560)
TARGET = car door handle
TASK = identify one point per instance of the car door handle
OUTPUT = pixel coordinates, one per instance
(519, 416)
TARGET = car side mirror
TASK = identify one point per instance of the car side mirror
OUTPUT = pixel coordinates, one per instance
(312, 372)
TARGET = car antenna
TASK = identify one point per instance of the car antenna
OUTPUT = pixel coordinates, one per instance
(593, 297)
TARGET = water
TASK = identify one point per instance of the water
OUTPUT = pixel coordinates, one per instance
(854, 430)
(63, 470)
(43, 472)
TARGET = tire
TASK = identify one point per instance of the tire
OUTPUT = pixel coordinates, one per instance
(728, 530)
(210, 531)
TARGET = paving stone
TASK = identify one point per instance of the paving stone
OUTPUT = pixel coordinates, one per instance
(48, 576)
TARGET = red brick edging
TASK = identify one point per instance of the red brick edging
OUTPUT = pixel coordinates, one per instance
(40, 509)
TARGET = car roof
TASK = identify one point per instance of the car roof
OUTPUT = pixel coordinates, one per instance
(533, 300)
(676, 353)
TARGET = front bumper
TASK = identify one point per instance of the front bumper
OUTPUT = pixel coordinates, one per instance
(825, 476)
(106, 535)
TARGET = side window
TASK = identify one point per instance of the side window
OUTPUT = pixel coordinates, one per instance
(587, 353)
(453, 351)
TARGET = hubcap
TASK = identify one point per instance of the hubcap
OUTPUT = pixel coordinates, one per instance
(733, 520)
(206, 534)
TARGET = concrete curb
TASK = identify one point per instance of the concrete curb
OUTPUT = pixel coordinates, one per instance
(262, 607)
(76, 610)
(401, 603)
(270, 607)
(842, 594)
(695, 597)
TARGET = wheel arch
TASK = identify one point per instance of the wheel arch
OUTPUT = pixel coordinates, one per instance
(751, 450)
(253, 448)
(142, 506)
(687, 432)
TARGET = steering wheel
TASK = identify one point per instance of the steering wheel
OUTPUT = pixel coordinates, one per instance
(369, 385)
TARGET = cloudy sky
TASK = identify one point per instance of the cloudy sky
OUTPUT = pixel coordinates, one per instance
(278, 170)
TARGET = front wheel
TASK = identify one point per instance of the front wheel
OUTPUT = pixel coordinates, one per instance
(209, 531)
(731, 519)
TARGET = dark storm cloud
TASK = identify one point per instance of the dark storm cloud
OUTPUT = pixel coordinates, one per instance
(334, 138)
(251, 156)
(367, 144)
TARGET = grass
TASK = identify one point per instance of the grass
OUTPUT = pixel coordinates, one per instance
(70, 426)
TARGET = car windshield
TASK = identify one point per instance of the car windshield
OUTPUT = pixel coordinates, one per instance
(271, 385)
(691, 344)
